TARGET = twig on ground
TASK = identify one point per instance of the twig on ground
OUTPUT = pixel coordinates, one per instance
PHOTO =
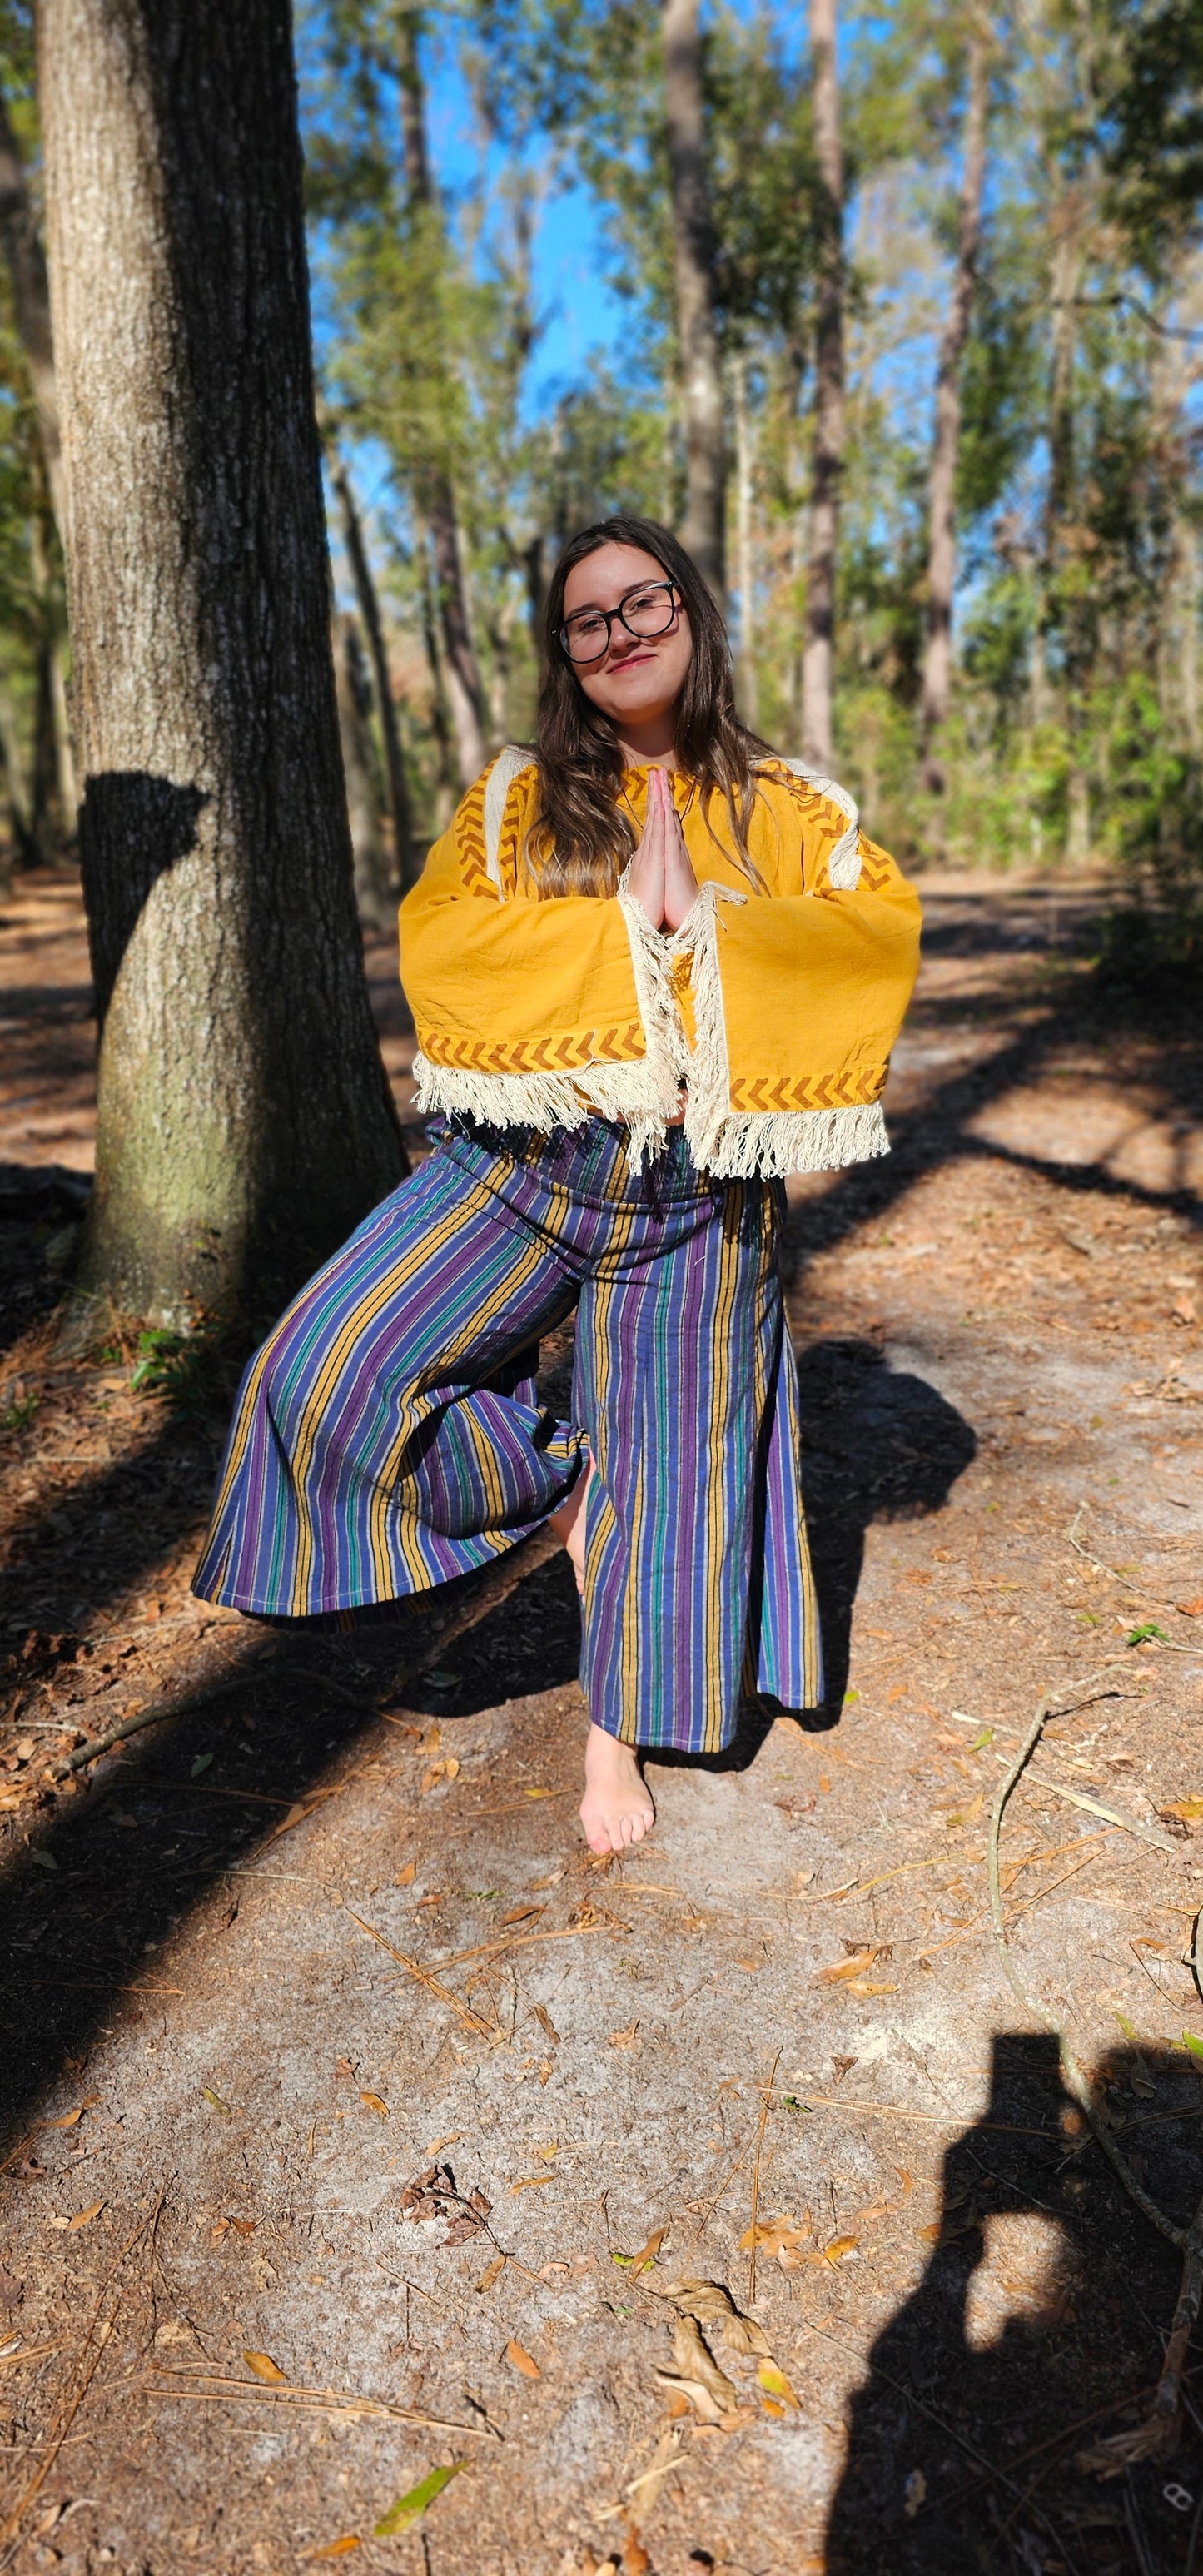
(155, 1715)
(414, 1968)
(764, 2113)
(324, 2401)
(1157, 2437)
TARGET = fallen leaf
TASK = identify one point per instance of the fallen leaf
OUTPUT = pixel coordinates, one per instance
(539, 1793)
(543, 2017)
(753, 1966)
(372, 2102)
(695, 2370)
(208, 2095)
(549, 2153)
(336, 2548)
(242, 2226)
(531, 2182)
(521, 1914)
(1191, 1609)
(1189, 1809)
(520, 2359)
(625, 2038)
(636, 2263)
(492, 2272)
(868, 1986)
(405, 1877)
(266, 2369)
(71, 2118)
(201, 1763)
(930, 2235)
(775, 2384)
(876, 2209)
(773, 2233)
(410, 2508)
(447, 1769)
(840, 2249)
(343, 2068)
(906, 2179)
(435, 1897)
(635, 2560)
(846, 1968)
(82, 2218)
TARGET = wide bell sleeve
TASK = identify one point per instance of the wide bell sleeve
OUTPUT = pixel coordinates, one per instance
(794, 1003)
(527, 1012)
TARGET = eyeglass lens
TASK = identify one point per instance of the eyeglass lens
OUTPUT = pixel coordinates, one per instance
(647, 611)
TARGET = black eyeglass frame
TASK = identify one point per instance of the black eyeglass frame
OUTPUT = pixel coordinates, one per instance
(610, 614)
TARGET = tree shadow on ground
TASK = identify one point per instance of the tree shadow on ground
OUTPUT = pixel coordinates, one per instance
(1037, 2328)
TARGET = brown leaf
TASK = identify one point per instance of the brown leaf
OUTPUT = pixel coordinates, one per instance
(543, 2017)
(637, 2263)
(242, 2226)
(73, 2117)
(1192, 1609)
(266, 2369)
(843, 1969)
(492, 2272)
(870, 1986)
(694, 2366)
(520, 2359)
(343, 2068)
(372, 2102)
(625, 2038)
(773, 2233)
(82, 2218)
(840, 2067)
(335, 2548)
(906, 2179)
(521, 1914)
(840, 2248)
(405, 1877)
(635, 2560)
(531, 2182)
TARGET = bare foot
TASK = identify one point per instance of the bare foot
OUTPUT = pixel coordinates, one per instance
(616, 1809)
(569, 1525)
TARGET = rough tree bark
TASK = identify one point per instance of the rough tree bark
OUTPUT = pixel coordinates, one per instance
(941, 546)
(373, 627)
(465, 689)
(245, 1123)
(693, 268)
(827, 453)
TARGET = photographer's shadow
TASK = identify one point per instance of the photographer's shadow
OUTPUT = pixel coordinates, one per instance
(1037, 2319)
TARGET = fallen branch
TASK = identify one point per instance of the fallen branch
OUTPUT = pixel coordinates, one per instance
(1157, 2437)
(154, 1716)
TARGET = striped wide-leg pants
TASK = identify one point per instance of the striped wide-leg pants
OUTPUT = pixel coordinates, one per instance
(389, 1435)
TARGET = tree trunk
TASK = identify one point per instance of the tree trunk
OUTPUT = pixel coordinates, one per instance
(439, 726)
(375, 889)
(746, 663)
(369, 610)
(31, 305)
(465, 689)
(245, 1122)
(941, 548)
(693, 268)
(827, 455)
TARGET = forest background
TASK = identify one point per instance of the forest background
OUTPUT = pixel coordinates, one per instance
(1001, 206)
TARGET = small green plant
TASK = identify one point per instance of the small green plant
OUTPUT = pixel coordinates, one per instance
(20, 1410)
(1140, 1636)
(184, 1367)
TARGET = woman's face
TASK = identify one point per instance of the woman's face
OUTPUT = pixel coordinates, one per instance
(635, 678)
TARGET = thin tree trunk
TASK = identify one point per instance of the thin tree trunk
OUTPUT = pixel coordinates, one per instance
(373, 626)
(439, 726)
(1065, 280)
(746, 666)
(827, 456)
(245, 1122)
(465, 689)
(375, 889)
(941, 548)
(693, 269)
(31, 306)
(1188, 666)
(25, 849)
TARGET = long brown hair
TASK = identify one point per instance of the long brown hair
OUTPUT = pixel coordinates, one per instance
(581, 840)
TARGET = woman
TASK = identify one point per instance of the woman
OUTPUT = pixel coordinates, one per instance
(653, 970)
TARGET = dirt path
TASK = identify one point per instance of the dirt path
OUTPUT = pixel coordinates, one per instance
(335, 1926)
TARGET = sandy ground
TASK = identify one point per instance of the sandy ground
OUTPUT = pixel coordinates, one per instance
(342, 2085)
